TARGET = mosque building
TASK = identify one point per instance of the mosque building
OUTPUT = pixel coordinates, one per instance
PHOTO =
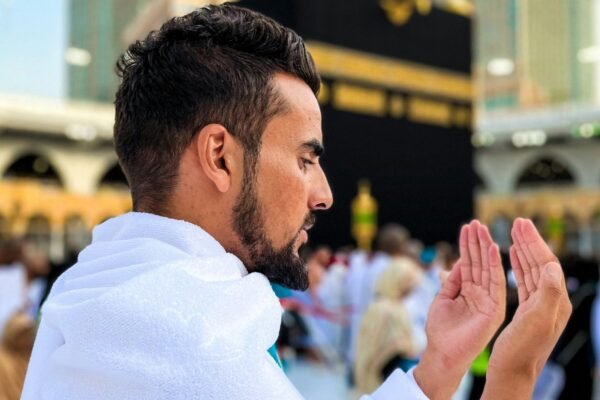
(534, 139)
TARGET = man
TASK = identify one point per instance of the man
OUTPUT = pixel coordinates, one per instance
(219, 133)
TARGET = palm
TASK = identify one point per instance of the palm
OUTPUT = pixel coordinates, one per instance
(520, 323)
(529, 256)
(525, 306)
(470, 307)
(465, 323)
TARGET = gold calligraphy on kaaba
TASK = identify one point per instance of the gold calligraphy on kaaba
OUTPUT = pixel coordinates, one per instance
(382, 86)
(399, 12)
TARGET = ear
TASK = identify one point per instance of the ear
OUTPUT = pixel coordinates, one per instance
(216, 151)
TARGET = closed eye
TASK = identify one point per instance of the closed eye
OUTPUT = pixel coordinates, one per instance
(306, 162)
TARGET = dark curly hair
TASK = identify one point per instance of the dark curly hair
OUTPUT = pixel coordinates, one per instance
(214, 65)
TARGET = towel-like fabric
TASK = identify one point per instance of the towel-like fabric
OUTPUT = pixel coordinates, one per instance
(155, 308)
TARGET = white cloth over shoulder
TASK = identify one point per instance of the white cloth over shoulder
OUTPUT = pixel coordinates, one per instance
(156, 309)
(399, 386)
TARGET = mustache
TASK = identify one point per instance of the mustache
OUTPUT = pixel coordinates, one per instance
(309, 221)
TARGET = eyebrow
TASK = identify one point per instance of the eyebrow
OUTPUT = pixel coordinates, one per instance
(314, 146)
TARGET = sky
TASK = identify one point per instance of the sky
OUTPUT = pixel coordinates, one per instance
(33, 38)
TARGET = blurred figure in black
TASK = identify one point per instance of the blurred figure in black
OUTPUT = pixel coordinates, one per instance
(574, 351)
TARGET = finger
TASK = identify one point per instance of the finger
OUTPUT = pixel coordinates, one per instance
(551, 288)
(475, 251)
(497, 277)
(533, 263)
(485, 241)
(564, 311)
(516, 236)
(465, 258)
(451, 287)
(519, 275)
(537, 247)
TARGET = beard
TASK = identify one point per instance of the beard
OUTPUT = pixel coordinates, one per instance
(284, 266)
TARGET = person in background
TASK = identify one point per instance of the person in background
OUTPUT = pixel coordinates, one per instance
(391, 241)
(332, 297)
(309, 306)
(22, 269)
(218, 130)
(357, 268)
(385, 341)
(414, 249)
(436, 262)
(317, 264)
(15, 351)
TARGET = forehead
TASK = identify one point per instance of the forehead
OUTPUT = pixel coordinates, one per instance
(301, 121)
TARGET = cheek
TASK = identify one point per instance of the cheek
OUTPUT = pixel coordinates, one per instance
(285, 203)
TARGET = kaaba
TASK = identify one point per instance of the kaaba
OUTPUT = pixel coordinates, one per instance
(396, 103)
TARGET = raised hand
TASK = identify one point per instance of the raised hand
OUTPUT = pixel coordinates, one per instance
(465, 315)
(525, 344)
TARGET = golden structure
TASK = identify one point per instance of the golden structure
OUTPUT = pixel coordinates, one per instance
(399, 12)
(364, 216)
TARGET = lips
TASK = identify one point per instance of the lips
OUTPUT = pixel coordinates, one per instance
(309, 222)
(303, 236)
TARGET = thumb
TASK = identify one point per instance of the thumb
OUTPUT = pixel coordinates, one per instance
(551, 286)
(452, 284)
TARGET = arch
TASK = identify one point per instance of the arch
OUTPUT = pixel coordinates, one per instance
(545, 171)
(114, 178)
(33, 166)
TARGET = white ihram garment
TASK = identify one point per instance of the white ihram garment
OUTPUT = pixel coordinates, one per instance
(156, 309)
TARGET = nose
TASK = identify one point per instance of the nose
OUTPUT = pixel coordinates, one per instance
(321, 197)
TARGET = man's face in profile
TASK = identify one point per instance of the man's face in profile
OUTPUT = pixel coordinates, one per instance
(274, 210)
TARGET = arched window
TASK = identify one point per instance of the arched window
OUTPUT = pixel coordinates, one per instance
(572, 240)
(4, 228)
(33, 166)
(545, 171)
(77, 235)
(114, 178)
(596, 233)
(38, 233)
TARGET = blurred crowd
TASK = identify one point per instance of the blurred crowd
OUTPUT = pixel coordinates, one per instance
(365, 312)
(23, 273)
(368, 311)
